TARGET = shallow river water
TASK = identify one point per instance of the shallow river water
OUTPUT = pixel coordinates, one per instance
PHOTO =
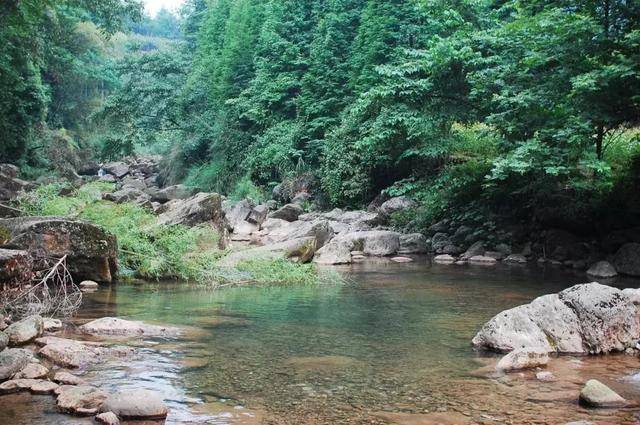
(392, 346)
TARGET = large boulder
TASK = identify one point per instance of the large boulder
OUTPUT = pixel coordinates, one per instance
(413, 243)
(91, 252)
(378, 243)
(117, 169)
(258, 214)
(589, 318)
(12, 361)
(4, 340)
(32, 371)
(238, 212)
(397, 204)
(136, 404)
(80, 400)
(201, 208)
(627, 259)
(15, 265)
(170, 193)
(300, 248)
(24, 331)
(289, 212)
(474, 250)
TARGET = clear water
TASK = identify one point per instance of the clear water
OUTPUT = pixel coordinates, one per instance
(393, 346)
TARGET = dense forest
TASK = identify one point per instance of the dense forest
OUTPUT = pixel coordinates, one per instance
(477, 109)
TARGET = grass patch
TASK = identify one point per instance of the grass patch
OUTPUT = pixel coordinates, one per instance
(151, 251)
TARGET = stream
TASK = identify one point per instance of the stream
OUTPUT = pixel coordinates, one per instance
(391, 346)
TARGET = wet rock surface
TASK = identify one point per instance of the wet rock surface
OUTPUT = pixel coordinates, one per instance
(119, 327)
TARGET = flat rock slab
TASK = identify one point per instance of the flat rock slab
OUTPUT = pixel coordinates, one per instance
(75, 354)
(119, 327)
(66, 378)
(81, 400)
(136, 404)
(36, 386)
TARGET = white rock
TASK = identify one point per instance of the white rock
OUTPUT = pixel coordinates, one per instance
(596, 394)
(523, 358)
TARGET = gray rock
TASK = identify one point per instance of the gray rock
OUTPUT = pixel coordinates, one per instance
(608, 317)
(134, 183)
(170, 193)
(118, 169)
(108, 178)
(516, 259)
(444, 259)
(258, 214)
(136, 404)
(413, 243)
(474, 250)
(633, 294)
(602, 269)
(589, 318)
(440, 227)
(504, 249)
(12, 361)
(17, 385)
(496, 255)
(289, 212)
(81, 400)
(627, 259)
(596, 394)
(198, 209)
(237, 213)
(126, 194)
(399, 203)
(301, 198)
(338, 251)
(24, 331)
(91, 251)
(523, 358)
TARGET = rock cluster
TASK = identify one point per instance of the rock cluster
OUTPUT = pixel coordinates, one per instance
(22, 370)
(334, 237)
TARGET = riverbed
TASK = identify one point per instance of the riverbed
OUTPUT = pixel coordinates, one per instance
(390, 346)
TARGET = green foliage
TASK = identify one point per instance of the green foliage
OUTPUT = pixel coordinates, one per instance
(246, 189)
